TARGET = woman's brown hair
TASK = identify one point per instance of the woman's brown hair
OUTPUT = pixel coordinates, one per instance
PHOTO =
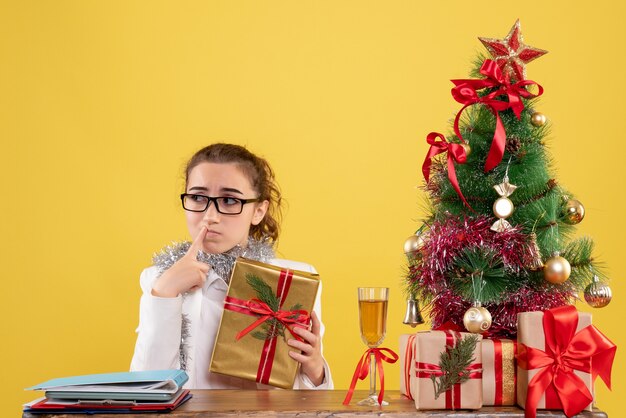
(261, 176)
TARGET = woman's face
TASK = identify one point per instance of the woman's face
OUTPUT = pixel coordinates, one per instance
(224, 231)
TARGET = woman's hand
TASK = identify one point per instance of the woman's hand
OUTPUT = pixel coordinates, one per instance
(186, 274)
(311, 356)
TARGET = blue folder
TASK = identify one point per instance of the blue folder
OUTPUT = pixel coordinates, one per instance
(158, 385)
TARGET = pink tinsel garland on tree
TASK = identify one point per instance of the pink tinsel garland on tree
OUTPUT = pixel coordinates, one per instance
(445, 240)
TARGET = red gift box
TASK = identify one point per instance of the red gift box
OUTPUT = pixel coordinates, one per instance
(559, 356)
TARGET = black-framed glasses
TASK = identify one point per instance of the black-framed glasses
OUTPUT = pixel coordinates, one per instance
(224, 205)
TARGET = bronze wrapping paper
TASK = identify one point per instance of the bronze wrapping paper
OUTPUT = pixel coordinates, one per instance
(428, 346)
(241, 358)
(504, 365)
(530, 332)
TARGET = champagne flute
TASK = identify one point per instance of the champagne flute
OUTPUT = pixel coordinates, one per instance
(373, 321)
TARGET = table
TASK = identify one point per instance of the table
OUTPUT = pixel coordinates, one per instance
(312, 403)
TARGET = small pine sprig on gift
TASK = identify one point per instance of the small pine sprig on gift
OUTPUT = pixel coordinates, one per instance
(271, 328)
(263, 291)
(454, 363)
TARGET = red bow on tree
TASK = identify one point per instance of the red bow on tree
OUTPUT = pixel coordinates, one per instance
(466, 93)
(456, 153)
(566, 350)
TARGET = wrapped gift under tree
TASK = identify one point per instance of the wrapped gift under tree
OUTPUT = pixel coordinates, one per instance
(263, 304)
(447, 371)
(499, 371)
(560, 354)
(406, 363)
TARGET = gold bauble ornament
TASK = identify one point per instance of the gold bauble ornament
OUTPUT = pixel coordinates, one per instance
(556, 269)
(477, 319)
(538, 119)
(467, 148)
(573, 212)
(413, 244)
(597, 294)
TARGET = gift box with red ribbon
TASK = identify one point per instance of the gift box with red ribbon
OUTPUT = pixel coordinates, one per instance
(427, 349)
(406, 363)
(560, 354)
(263, 305)
(499, 371)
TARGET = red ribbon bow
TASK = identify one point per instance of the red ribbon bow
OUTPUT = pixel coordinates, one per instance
(290, 319)
(456, 153)
(363, 367)
(566, 350)
(465, 92)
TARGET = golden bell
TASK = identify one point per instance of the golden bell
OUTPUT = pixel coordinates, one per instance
(413, 316)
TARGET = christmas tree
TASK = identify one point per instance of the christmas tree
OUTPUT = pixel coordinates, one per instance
(498, 236)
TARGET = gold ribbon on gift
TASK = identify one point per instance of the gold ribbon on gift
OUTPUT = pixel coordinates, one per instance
(505, 376)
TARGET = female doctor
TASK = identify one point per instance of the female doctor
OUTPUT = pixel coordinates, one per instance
(232, 207)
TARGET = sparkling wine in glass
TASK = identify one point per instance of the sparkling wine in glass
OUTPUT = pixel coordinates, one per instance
(373, 321)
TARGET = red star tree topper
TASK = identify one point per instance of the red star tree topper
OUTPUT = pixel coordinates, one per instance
(511, 53)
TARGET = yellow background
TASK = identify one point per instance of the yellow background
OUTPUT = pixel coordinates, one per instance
(102, 102)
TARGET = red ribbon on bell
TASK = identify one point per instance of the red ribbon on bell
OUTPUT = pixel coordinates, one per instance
(566, 350)
(466, 93)
(456, 153)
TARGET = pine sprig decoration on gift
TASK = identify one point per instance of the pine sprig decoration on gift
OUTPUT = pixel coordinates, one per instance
(263, 291)
(271, 328)
(454, 363)
(269, 331)
(501, 124)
